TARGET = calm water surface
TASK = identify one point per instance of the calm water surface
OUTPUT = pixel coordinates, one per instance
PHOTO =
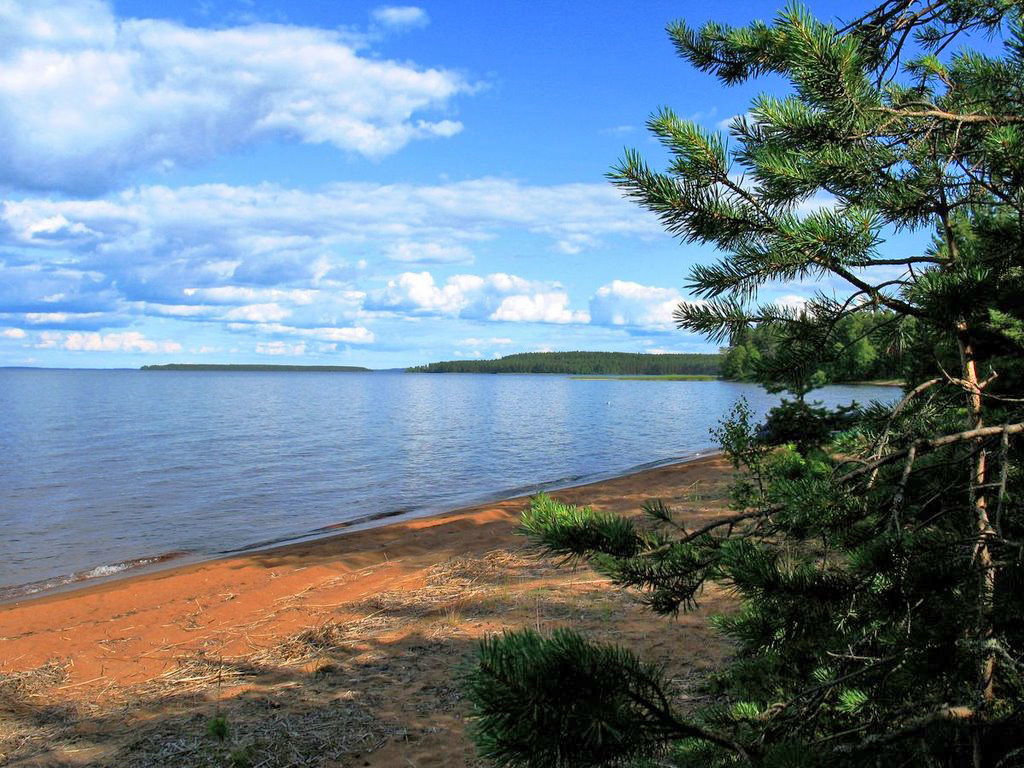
(105, 470)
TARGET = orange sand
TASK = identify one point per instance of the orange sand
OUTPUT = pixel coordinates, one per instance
(412, 599)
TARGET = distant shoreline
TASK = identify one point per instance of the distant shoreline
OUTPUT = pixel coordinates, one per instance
(651, 377)
(256, 367)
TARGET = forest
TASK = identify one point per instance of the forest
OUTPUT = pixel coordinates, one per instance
(584, 363)
(858, 350)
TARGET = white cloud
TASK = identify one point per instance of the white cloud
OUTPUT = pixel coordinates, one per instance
(177, 310)
(498, 296)
(258, 313)
(549, 307)
(46, 318)
(400, 16)
(726, 123)
(430, 253)
(278, 348)
(347, 335)
(236, 294)
(702, 115)
(158, 243)
(215, 254)
(494, 340)
(792, 301)
(418, 291)
(626, 303)
(86, 97)
(125, 341)
(13, 333)
(575, 242)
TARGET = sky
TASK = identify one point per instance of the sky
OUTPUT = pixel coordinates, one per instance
(346, 183)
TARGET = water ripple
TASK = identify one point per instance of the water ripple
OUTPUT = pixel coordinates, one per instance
(107, 468)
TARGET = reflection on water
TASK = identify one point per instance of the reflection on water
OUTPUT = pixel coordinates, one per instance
(105, 467)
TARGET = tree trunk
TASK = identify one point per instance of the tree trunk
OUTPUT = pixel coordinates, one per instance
(982, 551)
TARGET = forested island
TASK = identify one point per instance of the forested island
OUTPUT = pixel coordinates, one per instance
(585, 363)
(255, 367)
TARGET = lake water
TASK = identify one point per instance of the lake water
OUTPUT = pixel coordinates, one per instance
(102, 471)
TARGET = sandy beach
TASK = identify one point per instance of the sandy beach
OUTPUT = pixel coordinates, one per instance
(335, 652)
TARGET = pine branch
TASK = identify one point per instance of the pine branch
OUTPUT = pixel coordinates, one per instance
(953, 117)
(923, 445)
(959, 715)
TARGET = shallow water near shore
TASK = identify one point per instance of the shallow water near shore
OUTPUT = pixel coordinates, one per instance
(107, 471)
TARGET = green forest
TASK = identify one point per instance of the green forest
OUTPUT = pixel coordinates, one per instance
(858, 349)
(584, 363)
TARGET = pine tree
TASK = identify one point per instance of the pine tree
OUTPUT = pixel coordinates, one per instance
(880, 575)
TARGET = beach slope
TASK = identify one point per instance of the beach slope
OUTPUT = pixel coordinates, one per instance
(334, 652)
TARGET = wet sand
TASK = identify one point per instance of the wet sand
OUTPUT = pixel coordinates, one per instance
(337, 651)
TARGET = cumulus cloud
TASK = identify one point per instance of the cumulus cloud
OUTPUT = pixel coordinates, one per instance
(215, 255)
(165, 249)
(417, 291)
(626, 303)
(400, 16)
(545, 307)
(498, 296)
(13, 333)
(86, 97)
(126, 341)
(160, 242)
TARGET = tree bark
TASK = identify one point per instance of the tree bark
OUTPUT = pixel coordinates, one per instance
(982, 551)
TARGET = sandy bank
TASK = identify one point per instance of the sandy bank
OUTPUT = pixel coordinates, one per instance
(338, 651)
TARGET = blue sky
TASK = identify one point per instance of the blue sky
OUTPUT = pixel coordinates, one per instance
(339, 183)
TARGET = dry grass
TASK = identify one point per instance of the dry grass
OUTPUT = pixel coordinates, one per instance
(312, 698)
(34, 682)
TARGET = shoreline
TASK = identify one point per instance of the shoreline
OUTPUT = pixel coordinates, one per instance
(106, 573)
(335, 545)
(342, 649)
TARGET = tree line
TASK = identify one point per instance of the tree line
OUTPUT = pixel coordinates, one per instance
(585, 363)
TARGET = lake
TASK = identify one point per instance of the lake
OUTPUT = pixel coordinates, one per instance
(103, 471)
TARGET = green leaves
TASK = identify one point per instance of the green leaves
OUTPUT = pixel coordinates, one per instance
(669, 573)
(577, 532)
(559, 700)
